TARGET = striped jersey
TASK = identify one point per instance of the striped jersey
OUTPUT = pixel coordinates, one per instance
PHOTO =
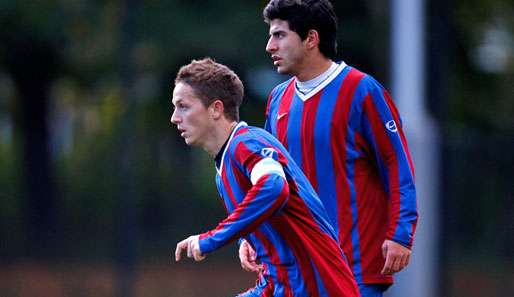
(347, 137)
(271, 204)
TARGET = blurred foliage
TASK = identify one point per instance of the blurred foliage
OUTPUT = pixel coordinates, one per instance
(482, 80)
(111, 143)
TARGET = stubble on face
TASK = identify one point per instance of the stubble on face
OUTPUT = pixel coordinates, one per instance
(286, 48)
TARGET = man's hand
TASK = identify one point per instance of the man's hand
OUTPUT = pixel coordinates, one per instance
(248, 257)
(397, 257)
(191, 244)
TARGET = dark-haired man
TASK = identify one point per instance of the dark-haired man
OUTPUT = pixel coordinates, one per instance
(342, 128)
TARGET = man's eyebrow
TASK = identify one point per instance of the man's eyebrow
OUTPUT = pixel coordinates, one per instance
(175, 102)
(277, 31)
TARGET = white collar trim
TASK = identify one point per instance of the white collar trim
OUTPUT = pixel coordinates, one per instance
(329, 79)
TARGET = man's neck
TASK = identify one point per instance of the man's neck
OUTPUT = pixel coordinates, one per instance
(313, 68)
(219, 136)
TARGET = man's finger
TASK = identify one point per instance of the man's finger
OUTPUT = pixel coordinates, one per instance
(244, 256)
(253, 255)
(247, 257)
(387, 266)
(396, 263)
(405, 261)
(198, 256)
(189, 249)
(251, 266)
(195, 249)
(384, 250)
(246, 263)
(178, 251)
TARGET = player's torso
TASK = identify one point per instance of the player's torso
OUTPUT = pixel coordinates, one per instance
(324, 137)
(320, 134)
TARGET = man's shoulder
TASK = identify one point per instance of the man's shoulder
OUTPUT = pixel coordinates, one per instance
(254, 138)
(251, 134)
(365, 79)
(278, 89)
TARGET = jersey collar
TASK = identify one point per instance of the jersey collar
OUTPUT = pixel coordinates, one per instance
(239, 125)
(324, 83)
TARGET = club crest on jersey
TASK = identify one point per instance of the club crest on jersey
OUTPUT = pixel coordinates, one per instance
(391, 126)
(268, 152)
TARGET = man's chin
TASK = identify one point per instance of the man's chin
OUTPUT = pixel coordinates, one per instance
(282, 70)
(188, 141)
(191, 142)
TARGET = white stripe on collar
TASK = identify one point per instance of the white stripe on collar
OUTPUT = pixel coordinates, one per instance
(321, 80)
(240, 124)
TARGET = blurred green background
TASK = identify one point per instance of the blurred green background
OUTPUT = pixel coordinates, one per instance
(96, 186)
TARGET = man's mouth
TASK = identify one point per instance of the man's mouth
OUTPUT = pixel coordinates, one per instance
(276, 59)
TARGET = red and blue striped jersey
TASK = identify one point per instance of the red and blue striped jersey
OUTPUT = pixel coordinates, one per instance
(272, 205)
(347, 137)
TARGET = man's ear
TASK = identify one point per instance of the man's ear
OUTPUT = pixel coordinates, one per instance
(217, 109)
(312, 39)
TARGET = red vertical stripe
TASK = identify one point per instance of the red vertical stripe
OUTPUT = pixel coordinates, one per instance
(250, 196)
(282, 274)
(388, 155)
(241, 131)
(396, 118)
(289, 231)
(310, 109)
(246, 157)
(371, 196)
(282, 114)
(228, 188)
(303, 237)
(338, 149)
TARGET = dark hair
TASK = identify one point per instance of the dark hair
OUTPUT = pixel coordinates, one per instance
(212, 81)
(305, 15)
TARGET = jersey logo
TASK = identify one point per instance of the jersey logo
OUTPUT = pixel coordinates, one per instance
(391, 126)
(269, 153)
(281, 116)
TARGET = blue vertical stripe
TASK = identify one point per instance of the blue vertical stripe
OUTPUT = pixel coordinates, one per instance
(351, 155)
(294, 130)
(321, 286)
(271, 120)
(322, 141)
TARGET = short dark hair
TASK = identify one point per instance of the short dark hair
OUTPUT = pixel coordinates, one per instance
(212, 81)
(305, 15)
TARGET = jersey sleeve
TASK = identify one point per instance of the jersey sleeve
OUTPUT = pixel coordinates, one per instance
(269, 191)
(383, 131)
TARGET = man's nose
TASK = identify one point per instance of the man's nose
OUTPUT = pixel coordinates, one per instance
(271, 46)
(174, 118)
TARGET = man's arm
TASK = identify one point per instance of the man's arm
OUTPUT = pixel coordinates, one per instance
(386, 136)
(262, 200)
(269, 191)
